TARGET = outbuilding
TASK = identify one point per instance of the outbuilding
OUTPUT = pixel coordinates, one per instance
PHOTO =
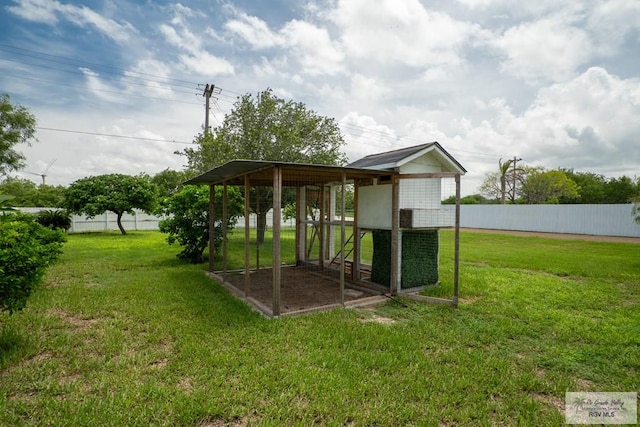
(357, 233)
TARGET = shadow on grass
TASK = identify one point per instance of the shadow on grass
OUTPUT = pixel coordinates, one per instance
(13, 346)
(210, 303)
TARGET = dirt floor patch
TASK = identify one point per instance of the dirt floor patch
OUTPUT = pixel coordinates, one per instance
(301, 288)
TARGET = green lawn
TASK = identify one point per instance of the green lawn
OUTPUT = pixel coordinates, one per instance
(122, 333)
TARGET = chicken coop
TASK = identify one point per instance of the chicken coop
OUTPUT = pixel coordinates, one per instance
(314, 237)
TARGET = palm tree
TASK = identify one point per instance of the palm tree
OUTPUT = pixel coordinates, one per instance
(504, 169)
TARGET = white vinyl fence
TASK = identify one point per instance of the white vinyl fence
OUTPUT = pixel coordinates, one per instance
(598, 220)
(108, 221)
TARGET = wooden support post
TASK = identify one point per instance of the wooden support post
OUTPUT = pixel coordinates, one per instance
(355, 272)
(212, 220)
(394, 283)
(321, 229)
(342, 236)
(257, 240)
(331, 232)
(247, 237)
(277, 202)
(224, 227)
(300, 226)
(456, 261)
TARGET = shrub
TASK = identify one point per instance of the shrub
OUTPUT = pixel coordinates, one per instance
(26, 250)
(54, 219)
(188, 219)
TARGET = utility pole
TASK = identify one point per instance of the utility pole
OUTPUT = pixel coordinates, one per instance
(208, 91)
(513, 195)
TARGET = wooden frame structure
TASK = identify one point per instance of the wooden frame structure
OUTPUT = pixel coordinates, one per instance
(276, 175)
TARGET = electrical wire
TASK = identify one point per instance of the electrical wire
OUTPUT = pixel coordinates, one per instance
(111, 135)
(372, 135)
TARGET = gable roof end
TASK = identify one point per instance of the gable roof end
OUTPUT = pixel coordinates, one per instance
(396, 158)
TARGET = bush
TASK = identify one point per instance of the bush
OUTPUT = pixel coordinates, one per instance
(26, 250)
(54, 219)
(188, 219)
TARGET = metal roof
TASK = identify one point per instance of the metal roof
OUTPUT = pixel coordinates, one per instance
(396, 158)
(293, 174)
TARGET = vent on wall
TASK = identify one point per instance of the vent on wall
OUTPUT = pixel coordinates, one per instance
(406, 218)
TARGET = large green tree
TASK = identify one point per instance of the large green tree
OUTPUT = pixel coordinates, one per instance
(117, 193)
(265, 127)
(17, 125)
(29, 194)
(548, 187)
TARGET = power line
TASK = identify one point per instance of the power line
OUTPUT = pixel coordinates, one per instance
(98, 90)
(111, 135)
(75, 62)
(121, 79)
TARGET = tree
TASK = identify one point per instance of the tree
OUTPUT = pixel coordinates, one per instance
(504, 170)
(547, 187)
(28, 194)
(169, 182)
(473, 199)
(268, 128)
(620, 190)
(592, 187)
(26, 250)
(635, 210)
(187, 219)
(17, 125)
(492, 187)
(113, 192)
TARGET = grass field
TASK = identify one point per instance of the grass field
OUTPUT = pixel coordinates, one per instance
(122, 333)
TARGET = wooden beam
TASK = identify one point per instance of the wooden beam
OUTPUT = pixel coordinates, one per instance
(300, 207)
(355, 271)
(247, 237)
(429, 175)
(212, 219)
(277, 202)
(321, 229)
(394, 284)
(343, 237)
(225, 194)
(456, 260)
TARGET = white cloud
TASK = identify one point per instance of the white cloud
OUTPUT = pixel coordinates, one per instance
(545, 50)
(196, 59)
(49, 11)
(612, 20)
(206, 64)
(36, 10)
(253, 30)
(400, 31)
(313, 47)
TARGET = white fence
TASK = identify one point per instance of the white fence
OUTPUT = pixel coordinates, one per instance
(598, 220)
(108, 221)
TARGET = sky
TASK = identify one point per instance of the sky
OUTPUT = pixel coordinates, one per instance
(116, 86)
